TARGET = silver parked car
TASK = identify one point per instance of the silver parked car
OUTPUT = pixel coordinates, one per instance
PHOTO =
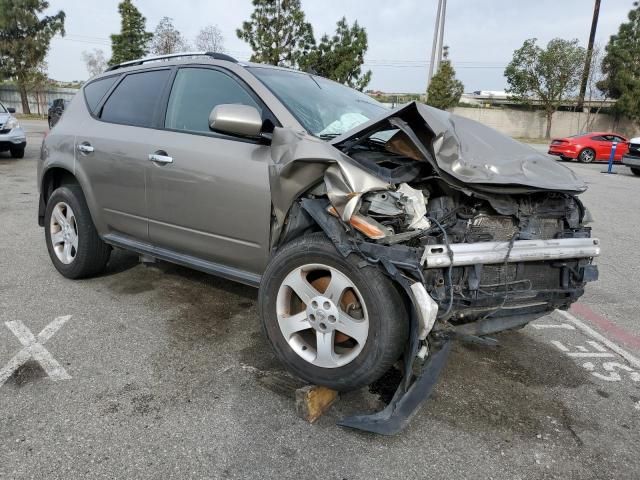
(12, 136)
(370, 232)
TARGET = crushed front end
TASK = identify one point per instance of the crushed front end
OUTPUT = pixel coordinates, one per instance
(483, 234)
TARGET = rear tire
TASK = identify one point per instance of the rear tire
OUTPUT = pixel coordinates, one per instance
(17, 152)
(298, 344)
(587, 155)
(87, 254)
(635, 171)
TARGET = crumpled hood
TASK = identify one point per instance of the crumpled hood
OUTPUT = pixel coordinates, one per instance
(4, 117)
(476, 154)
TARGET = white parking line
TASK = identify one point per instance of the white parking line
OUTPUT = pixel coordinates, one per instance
(33, 349)
(600, 338)
(562, 326)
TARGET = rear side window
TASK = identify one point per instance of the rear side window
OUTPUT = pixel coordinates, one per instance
(95, 91)
(196, 91)
(136, 99)
(598, 138)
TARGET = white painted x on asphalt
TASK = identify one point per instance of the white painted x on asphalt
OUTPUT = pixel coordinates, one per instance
(33, 349)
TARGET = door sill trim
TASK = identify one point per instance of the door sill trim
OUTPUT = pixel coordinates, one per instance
(235, 274)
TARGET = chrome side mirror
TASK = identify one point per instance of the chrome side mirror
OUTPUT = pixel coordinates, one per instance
(235, 119)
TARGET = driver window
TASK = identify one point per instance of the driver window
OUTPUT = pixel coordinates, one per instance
(195, 92)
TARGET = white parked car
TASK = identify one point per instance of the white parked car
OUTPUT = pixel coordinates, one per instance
(632, 158)
(12, 136)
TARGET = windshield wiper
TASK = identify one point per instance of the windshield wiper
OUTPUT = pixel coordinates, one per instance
(328, 136)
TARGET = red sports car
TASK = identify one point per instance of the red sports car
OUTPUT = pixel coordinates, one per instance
(589, 147)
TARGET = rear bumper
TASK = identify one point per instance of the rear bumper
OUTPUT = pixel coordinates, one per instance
(568, 151)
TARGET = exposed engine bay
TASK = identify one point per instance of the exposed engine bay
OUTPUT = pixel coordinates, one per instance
(483, 233)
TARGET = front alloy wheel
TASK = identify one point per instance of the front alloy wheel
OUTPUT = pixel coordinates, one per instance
(322, 316)
(333, 321)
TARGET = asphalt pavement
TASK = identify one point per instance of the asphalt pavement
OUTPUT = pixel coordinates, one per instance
(162, 372)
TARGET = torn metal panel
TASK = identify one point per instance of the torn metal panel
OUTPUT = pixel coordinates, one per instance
(471, 152)
(301, 160)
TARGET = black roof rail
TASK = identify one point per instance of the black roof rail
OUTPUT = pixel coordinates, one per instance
(140, 61)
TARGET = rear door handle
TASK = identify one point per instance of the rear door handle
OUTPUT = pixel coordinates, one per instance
(85, 148)
(160, 158)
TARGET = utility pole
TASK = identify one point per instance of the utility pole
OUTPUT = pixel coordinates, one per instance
(434, 45)
(587, 62)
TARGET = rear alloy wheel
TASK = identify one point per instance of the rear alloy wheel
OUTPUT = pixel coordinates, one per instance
(333, 321)
(635, 171)
(587, 155)
(64, 233)
(74, 246)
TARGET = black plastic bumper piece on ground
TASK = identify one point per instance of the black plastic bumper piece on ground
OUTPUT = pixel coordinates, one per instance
(395, 416)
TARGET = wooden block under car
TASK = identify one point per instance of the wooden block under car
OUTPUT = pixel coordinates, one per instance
(313, 400)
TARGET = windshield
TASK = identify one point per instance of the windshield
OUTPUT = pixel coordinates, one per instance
(2, 109)
(325, 108)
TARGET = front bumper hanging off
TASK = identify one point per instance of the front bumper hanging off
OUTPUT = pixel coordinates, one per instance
(397, 260)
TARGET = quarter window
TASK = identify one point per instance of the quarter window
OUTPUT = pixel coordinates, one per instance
(136, 99)
(94, 91)
(196, 91)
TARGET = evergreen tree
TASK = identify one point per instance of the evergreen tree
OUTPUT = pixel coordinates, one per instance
(621, 67)
(444, 89)
(340, 57)
(25, 40)
(132, 41)
(277, 32)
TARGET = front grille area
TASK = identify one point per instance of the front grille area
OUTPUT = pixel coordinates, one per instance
(544, 228)
(492, 228)
(4, 131)
(523, 276)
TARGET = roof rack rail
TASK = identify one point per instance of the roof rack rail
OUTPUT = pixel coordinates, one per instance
(140, 61)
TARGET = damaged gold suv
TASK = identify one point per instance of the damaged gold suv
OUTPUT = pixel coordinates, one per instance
(370, 232)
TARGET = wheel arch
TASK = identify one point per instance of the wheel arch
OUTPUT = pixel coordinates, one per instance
(55, 177)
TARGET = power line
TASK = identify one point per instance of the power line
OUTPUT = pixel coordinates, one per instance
(370, 63)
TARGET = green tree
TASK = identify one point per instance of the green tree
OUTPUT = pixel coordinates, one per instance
(25, 40)
(340, 57)
(277, 32)
(548, 76)
(621, 67)
(133, 40)
(444, 89)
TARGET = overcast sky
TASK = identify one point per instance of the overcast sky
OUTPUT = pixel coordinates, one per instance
(481, 34)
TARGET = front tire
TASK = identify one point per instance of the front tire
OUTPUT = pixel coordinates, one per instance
(73, 243)
(587, 155)
(17, 152)
(635, 171)
(333, 321)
